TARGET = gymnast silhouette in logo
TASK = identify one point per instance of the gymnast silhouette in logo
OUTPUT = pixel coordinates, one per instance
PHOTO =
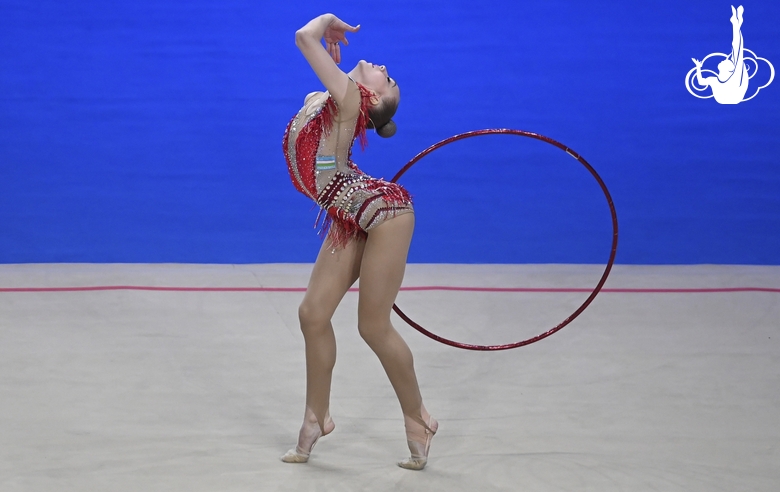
(730, 84)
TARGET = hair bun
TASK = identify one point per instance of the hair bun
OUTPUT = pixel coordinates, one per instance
(387, 130)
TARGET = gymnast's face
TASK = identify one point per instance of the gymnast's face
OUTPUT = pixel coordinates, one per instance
(375, 78)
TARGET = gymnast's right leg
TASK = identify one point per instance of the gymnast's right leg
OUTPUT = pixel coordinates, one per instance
(334, 273)
(381, 274)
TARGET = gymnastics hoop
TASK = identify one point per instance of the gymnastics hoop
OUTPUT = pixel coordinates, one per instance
(592, 295)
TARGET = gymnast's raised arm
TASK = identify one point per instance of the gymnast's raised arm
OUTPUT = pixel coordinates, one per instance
(322, 61)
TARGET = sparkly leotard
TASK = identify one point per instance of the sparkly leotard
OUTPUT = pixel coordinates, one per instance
(318, 148)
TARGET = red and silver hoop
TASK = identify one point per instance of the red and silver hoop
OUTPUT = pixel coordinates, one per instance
(601, 281)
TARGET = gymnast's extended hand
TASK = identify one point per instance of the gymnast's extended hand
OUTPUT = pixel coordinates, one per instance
(335, 32)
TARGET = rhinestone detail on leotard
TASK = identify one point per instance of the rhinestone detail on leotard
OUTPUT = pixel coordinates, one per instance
(352, 201)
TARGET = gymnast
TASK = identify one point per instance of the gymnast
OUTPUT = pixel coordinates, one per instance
(368, 224)
(731, 84)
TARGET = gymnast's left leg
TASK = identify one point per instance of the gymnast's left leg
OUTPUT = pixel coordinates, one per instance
(381, 273)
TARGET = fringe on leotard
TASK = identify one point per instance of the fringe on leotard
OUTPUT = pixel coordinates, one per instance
(337, 224)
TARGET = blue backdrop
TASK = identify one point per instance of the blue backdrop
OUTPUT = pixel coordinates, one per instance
(150, 131)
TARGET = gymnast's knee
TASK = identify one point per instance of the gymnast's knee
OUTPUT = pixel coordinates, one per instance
(312, 317)
(373, 331)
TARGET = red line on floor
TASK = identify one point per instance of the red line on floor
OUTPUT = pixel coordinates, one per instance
(420, 288)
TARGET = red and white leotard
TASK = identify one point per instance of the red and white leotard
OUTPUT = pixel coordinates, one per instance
(318, 148)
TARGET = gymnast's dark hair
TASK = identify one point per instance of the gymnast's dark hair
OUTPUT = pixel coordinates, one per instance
(380, 117)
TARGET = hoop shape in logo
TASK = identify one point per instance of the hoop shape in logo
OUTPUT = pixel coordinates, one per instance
(751, 61)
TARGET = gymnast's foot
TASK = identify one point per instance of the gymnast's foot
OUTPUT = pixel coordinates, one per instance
(418, 437)
(308, 437)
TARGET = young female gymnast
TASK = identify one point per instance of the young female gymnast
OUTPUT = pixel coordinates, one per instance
(369, 224)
